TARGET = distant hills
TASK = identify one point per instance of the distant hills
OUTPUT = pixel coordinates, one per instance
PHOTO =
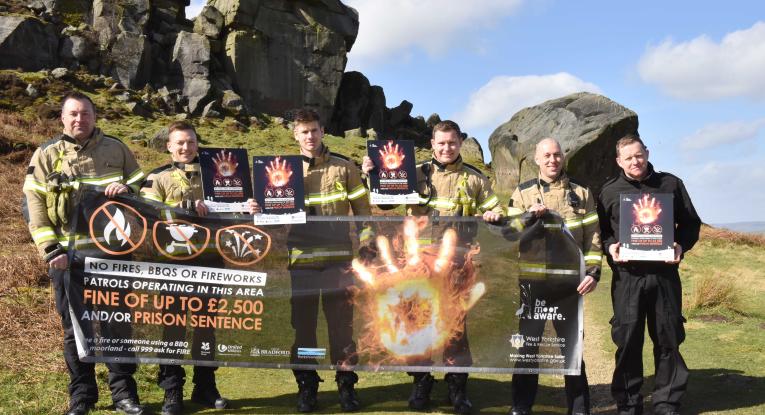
(749, 227)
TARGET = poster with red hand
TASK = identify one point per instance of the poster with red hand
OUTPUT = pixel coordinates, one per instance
(225, 178)
(279, 189)
(646, 227)
(393, 180)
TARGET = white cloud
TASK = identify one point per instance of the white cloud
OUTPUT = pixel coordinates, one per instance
(195, 8)
(704, 69)
(497, 101)
(387, 27)
(722, 190)
(713, 135)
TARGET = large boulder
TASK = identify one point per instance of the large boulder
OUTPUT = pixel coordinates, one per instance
(112, 17)
(131, 56)
(191, 55)
(351, 103)
(587, 126)
(471, 151)
(27, 43)
(283, 55)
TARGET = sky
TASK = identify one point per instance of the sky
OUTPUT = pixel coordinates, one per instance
(693, 71)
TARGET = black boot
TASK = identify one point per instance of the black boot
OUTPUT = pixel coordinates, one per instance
(345, 381)
(420, 397)
(458, 392)
(308, 387)
(173, 404)
(79, 408)
(208, 395)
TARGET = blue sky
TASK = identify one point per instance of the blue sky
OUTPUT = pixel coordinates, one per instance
(693, 71)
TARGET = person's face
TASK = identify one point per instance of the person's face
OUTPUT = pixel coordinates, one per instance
(633, 159)
(182, 145)
(549, 158)
(309, 135)
(79, 119)
(446, 146)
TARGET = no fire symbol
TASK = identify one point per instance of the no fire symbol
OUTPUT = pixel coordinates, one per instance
(117, 228)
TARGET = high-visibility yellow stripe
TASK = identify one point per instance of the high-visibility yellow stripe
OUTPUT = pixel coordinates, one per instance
(43, 234)
(591, 218)
(490, 202)
(136, 176)
(99, 181)
(357, 192)
(31, 184)
(514, 211)
(573, 223)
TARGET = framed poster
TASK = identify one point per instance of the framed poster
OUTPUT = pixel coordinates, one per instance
(646, 227)
(279, 189)
(225, 179)
(393, 180)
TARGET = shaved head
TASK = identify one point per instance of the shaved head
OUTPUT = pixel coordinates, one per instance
(549, 157)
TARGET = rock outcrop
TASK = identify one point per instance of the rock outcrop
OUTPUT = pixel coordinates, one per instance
(27, 43)
(587, 126)
(274, 55)
(361, 107)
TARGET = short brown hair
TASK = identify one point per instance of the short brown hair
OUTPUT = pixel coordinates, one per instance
(306, 115)
(629, 139)
(446, 126)
(179, 126)
(79, 96)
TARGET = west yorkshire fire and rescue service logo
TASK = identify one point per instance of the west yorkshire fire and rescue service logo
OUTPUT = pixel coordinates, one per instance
(516, 340)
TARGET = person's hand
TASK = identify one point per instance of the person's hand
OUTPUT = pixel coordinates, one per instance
(115, 188)
(253, 206)
(278, 172)
(678, 254)
(201, 208)
(491, 216)
(613, 249)
(59, 262)
(367, 165)
(587, 285)
(538, 209)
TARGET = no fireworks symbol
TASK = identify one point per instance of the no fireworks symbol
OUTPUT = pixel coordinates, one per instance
(117, 228)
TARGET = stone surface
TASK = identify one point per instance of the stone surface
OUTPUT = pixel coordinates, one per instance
(59, 73)
(191, 55)
(27, 43)
(77, 48)
(283, 55)
(199, 92)
(400, 113)
(209, 22)
(136, 108)
(232, 101)
(131, 55)
(471, 151)
(587, 126)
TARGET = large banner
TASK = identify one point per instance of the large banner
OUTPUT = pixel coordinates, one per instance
(154, 284)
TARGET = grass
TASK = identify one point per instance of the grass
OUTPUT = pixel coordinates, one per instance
(725, 347)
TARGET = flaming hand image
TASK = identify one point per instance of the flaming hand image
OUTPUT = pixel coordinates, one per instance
(646, 210)
(225, 163)
(278, 172)
(392, 156)
(416, 298)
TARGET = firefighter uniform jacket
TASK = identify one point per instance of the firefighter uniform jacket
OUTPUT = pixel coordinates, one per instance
(455, 189)
(177, 185)
(333, 187)
(574, 203)
(60, 166)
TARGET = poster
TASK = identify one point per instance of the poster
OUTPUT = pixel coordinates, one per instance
(393, 180)
(279, 189)
(646, 227)
(225, 179)
(145, 286)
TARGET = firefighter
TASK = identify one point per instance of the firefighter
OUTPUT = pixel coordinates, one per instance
(180, 185)
(553, 190)
(646, 289)
(320, 255)
(83, 154)
(449, 187)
